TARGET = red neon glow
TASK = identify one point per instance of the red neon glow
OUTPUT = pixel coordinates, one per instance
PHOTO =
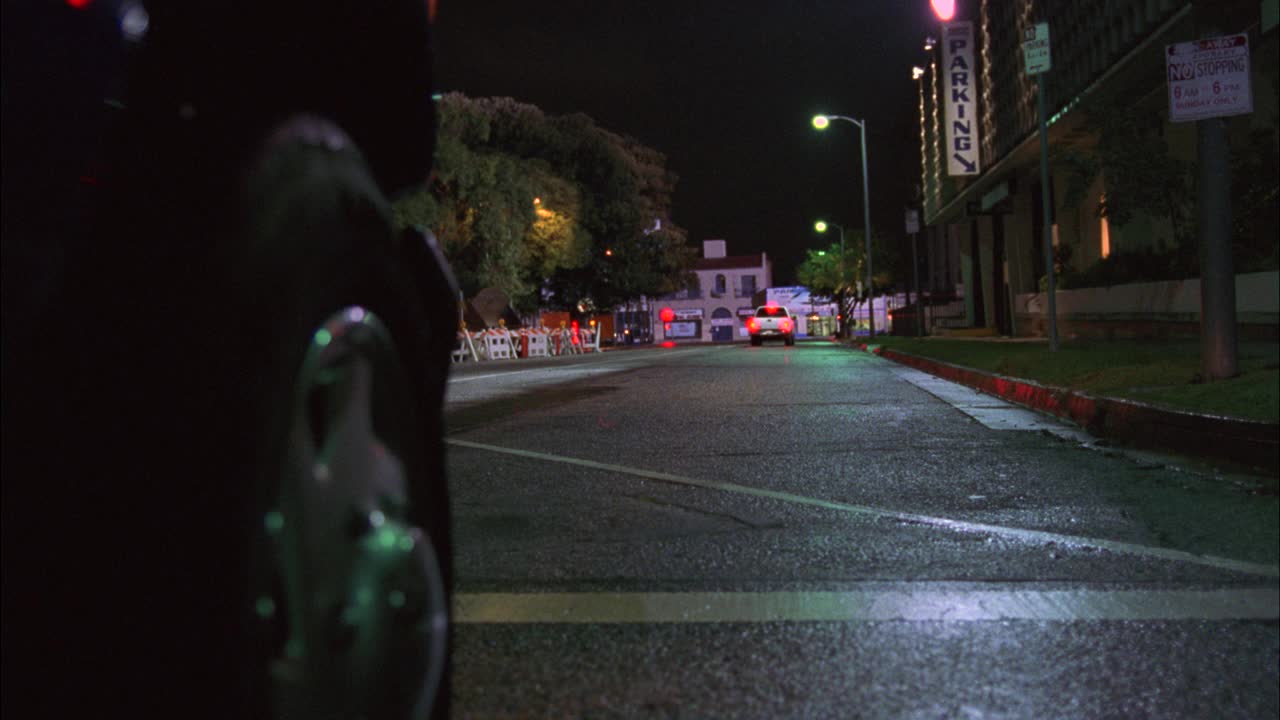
(79, 4)
(944, 9)
(667, 314)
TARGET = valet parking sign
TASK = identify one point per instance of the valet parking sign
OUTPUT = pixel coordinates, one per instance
(961, 90)
(1209, 78)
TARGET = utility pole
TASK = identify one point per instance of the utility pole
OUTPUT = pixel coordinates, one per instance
(913, 228)
(1218, 341)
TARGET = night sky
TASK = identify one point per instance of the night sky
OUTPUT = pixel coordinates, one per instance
(726, 89)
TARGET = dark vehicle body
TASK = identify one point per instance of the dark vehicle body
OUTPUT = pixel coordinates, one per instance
(151, 345)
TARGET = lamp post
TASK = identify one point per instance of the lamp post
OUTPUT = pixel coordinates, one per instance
(821, 122)
(821, 227)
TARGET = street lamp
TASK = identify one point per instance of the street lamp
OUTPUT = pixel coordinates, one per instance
(821, 227)
(821, 122)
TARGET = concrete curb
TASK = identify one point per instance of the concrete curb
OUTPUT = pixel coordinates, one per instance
(1245, 443)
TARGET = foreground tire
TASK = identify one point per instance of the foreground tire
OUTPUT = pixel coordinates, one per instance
(349, 593)
(223, 469)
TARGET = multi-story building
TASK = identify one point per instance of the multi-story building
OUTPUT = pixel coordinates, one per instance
(1108, 61)
(715, 307)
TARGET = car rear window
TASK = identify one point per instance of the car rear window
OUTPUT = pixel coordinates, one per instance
(771, 311)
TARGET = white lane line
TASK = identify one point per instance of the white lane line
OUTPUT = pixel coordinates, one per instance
(869, 606)
(1037, 536)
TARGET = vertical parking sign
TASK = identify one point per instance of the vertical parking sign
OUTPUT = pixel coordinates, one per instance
(961, 90)
(1209, 78)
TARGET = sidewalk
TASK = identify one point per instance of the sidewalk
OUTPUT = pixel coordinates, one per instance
(1244, 444)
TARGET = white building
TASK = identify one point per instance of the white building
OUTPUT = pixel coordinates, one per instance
(716, 308)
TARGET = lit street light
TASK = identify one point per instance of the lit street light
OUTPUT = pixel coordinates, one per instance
(821, 122)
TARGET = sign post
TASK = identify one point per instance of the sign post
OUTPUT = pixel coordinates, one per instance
(1208, 81)
(1035, 50)
(913, 229)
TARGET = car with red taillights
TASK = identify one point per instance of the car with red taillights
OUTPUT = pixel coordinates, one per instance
(772, 321)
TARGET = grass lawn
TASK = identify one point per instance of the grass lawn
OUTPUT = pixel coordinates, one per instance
(1158, 372)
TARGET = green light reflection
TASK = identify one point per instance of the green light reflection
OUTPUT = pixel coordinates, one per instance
(266, 607)
(274, 521)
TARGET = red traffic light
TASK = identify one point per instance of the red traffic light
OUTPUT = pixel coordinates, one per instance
(667, 314)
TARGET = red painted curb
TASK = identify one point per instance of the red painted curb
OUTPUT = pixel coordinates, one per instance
(1247, 443)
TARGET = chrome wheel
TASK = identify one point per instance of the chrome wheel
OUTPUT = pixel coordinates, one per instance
(360, 600)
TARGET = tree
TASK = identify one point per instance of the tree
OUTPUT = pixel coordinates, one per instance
(1141, 175)
(549, 209)
(821, 271)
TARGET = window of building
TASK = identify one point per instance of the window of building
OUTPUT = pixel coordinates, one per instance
(748, 285)
(695, 288)
(720, 284)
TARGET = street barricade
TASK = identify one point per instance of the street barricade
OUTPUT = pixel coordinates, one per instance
(497, 344)
(533, 342)
(502, 344)
(465, 349)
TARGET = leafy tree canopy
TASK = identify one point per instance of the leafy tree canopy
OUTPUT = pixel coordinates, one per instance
(551, 210)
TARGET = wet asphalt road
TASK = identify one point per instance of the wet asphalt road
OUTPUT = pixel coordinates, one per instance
(727, 531)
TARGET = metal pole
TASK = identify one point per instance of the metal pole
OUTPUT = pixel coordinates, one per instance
(844, 321)
(915, 282)
(1218, 342)
(866, 218)
(1044, 204)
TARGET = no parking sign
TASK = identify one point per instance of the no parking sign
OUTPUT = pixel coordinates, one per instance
(1209, 78)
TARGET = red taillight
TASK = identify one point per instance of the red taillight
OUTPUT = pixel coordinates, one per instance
(786, 325)
(752, 325)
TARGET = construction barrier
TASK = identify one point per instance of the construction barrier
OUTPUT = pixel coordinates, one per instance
(497, 344)
(502, 344)
(465, 349)
(533, 343)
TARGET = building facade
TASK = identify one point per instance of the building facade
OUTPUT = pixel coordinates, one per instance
(715, 308)
(985, 228)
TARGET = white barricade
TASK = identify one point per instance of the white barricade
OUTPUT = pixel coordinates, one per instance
(536, 339)
(568, 343)
(465, 348)
(497, 345)
(589, 341)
